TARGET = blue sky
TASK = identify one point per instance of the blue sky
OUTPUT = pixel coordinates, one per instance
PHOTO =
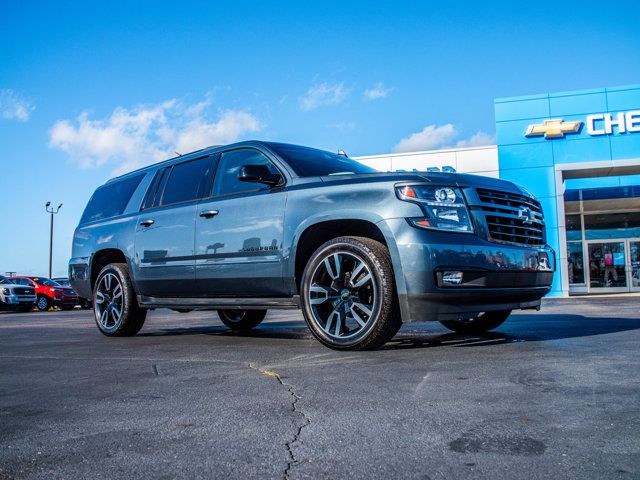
(88, 89)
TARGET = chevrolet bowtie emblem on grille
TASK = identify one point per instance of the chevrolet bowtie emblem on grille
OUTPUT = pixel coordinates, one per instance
(554, 128)
(526, 215)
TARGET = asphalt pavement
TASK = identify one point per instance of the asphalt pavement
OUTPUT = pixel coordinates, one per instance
(550, 394)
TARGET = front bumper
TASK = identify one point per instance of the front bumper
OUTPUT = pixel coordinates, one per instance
(65, 301)
(494, 276)
(16, 300)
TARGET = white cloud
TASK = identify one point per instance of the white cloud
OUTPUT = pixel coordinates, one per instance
(429, 138)
(478, 139)
(131, 138)
(13, 106)
(377, 91)
(433, 137)
(323, 94)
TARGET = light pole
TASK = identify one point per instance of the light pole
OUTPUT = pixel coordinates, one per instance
(52, 211)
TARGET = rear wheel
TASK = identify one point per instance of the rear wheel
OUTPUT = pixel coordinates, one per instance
(241, 320)
(43, 303)
(481, 324)
(85, 304)
(348, 294)
(66, 308)
(116, 308)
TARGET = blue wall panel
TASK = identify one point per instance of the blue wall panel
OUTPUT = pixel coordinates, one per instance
(578, 104)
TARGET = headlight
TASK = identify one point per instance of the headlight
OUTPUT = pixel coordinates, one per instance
(6, 291)
(56, 290)
(444, 207)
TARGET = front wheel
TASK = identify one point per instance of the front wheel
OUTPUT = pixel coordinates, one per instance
(85, 304)
(481, 324)
(116, 308)
(241, 320)
(43, 303)
(348, 294)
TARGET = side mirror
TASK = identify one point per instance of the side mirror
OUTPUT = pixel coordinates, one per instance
(259, 174)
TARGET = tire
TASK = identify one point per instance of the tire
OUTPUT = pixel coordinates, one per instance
(43, 303)
(485, 322)
(116, 308)
(85, 304)
(241, 320)
(348, 294)
(67, 308)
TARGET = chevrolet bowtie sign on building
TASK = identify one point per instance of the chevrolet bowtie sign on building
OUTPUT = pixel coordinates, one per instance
(579, 154)
(597, 124)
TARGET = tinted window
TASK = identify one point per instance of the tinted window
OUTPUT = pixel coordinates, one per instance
(310, 162)
(110, 200)
(46, 282)
(4, 280)
(612, 225)
(226, 180)
(185, 180)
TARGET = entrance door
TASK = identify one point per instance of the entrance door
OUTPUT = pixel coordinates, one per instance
(607, 267)
(634, 264)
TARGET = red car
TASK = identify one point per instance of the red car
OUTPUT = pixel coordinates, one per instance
(49, 293)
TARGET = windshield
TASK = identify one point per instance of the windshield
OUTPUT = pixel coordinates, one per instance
(62, 281)
(46, 282)
(311, 162)
(4, 280)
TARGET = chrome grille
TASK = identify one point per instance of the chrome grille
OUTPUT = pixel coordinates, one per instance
(512, 218)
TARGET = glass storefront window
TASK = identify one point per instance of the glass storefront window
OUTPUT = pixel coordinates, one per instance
(611, 225)
(607, 265)
(573, 227)
(575, 262)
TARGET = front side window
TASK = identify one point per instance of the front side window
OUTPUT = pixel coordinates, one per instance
(226, 180)
(185, 181)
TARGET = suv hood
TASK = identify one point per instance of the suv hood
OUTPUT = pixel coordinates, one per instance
(452, 179)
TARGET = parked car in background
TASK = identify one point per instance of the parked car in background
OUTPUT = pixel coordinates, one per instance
(16, 297)
(49, 293)
(84, 303)
(253, 226)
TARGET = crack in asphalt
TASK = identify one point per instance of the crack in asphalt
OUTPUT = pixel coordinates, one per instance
(295, 409)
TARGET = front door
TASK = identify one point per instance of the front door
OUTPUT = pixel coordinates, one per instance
(239, 232)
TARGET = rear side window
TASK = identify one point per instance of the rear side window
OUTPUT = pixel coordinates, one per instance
(185, 181)
(111, 199)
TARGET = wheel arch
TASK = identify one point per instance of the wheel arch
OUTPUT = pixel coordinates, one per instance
(102, 258)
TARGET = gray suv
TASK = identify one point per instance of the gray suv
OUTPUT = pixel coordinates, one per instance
(259, 225)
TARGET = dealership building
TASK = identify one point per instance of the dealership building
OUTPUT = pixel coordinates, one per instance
(579, 154)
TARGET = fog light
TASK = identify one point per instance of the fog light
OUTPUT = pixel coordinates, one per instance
(452, 278)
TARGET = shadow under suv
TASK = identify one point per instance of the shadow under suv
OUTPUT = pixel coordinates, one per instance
(258, 225)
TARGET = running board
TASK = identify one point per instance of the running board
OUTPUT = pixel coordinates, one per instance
(220, 303)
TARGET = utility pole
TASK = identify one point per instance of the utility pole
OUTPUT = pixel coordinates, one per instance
(52, 211)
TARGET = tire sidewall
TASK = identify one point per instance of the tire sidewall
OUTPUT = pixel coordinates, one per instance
(128, 297)
(334, 246)
(48, 303)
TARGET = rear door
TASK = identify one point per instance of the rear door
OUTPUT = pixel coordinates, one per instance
(239, 232)
(164, 260)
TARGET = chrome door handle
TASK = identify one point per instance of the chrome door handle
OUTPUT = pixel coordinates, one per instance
(147, 223)
(208, 213)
